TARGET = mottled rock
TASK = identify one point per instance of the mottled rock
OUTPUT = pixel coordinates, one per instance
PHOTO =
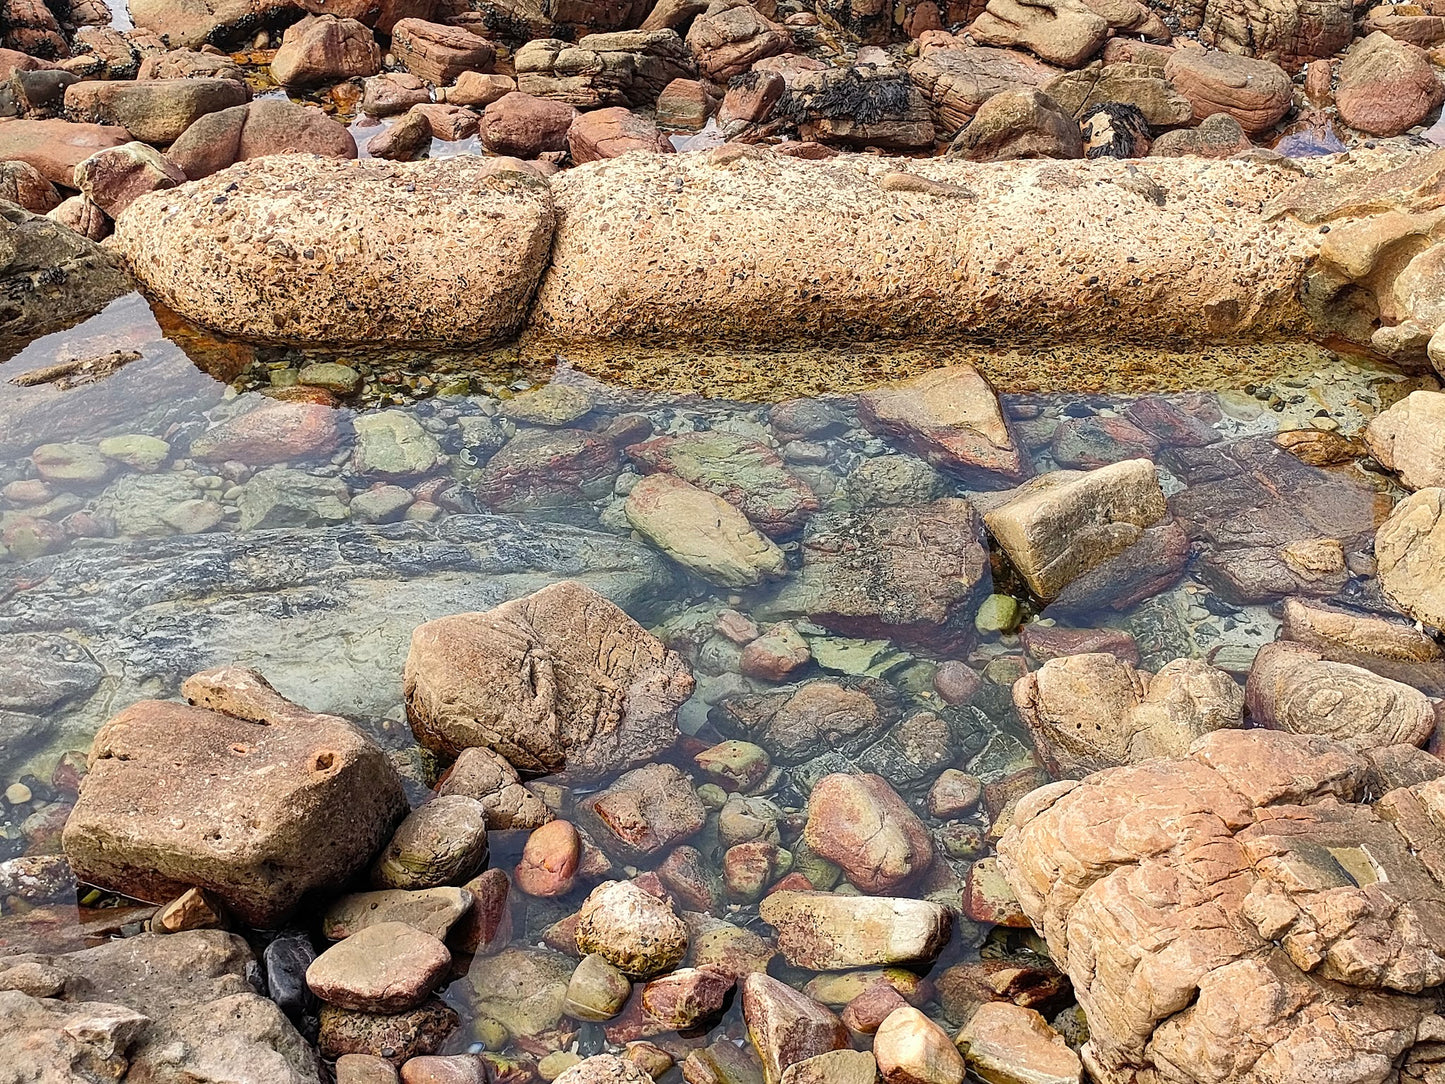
(1218, 135)
(1390, 648)
(325, 49)
(1063, 32)
(645, 811)
(51, 276)
(393, 1036)
(438, 53)
(603, 1069)
(729, 37)
(521, 680)
(787, 1027)
(525, 126)
(634, 931)
(745, 473)
(423, 209)
(824, 931)
(273, 432)
(860, 823)
(152, 1007)
(522, 988)
(912, 1049)
(153, 111)
(957, 80)
(259, 781)
(265, 127)
(1018, 124)
(55, 147)
(609, 133)
(1386, 86)
(1263, 825)
(431, 910)
(1013, 1045)
(905, 573)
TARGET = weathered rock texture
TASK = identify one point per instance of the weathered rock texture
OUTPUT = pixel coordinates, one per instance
(50, 276)
(683, 246)
(560, 679)
(244, 794)
(1233, 915)
(305, 248)
(163, 1008)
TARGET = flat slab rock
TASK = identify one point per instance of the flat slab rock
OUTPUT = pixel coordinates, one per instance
(303, 248)
(1235, 914)
(230, 795)
(684, 246)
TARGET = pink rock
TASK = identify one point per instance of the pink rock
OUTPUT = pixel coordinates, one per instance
(549, 860)
(272, 433)
(608, 133)
(522, 125)
(860, 823)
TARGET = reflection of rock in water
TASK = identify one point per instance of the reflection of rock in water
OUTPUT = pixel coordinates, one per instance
(325, 614)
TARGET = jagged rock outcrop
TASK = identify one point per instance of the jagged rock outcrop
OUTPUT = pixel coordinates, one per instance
(1236, 915)
(629, 67)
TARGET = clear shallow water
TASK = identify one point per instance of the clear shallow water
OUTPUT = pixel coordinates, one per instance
(125, 572)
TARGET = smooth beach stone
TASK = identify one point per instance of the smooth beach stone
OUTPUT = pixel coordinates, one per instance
(81, 463)
(431, 910)
(386, 968)
(912, 1049)
(441, 842)
(342, 379)
(597, 991)
(552, 404)
(365, 1069)
(135, 450)
(447, 1069)
(826, 931)
(549, 860)
(860, 822)
(634, 931)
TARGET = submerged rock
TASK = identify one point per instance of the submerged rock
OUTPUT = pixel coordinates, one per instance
(860, 823)
(386, 968)
(1091, 711)
(442, 842)
(562, 678)
(156, 609)
(786, 1026)
(951, 418)
(230, 795)
(702, 532)
(1066, 523)
(1006, 1042)
(905, 573)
